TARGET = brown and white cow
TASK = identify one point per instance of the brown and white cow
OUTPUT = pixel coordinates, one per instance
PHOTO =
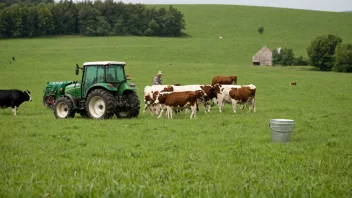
(179, 100)
(243, 95)
(224, 80)
(150, 93)
(208, 90)
(223, 94)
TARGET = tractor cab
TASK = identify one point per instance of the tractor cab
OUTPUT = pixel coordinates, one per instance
(110, 73)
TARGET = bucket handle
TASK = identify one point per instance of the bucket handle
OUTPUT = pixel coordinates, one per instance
(281, 131)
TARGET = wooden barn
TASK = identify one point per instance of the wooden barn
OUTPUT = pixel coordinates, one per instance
(263, 57)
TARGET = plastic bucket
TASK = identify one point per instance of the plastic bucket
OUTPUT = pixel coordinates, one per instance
(281, 130)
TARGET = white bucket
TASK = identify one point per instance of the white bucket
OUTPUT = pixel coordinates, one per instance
(281, 130)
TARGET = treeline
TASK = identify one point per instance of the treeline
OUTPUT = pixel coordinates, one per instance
(34, 18)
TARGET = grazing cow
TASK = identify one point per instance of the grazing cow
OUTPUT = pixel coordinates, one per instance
(224, 80)
(179, 100)
(13, 98)
(243, 95)
(293, 83)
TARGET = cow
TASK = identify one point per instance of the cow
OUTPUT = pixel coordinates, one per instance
(293, 83)
(13, 98)
(243, 95)
(209, 93)
(224, 80)
(179, 100)
(223, 94)
(150, 93)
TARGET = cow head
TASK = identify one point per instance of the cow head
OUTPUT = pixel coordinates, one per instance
(160, 98)
(148, 99)
(200, 93)
(217, 88)
(28, 94)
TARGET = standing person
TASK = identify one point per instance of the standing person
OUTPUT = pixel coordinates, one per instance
(157, 78)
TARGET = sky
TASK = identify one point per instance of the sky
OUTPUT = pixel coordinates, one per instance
(322, 5)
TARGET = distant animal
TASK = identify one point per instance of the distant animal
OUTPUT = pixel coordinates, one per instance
(220, 37)
(224, 80)
(13, 98)
(13, 58)
(293, 83)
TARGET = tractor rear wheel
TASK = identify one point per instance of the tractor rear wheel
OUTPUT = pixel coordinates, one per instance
(64, 108)
(132, 110)
(100, 104)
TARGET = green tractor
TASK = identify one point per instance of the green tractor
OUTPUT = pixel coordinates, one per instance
(102, 93)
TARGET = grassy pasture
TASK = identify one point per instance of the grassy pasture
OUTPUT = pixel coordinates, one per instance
(213, 155)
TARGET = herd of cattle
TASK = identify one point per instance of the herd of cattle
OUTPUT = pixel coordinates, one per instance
(170, 98)
(223, 89)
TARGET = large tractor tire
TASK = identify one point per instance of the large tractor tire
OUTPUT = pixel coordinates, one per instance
(100, 104)
(64, 108)
(132, 109)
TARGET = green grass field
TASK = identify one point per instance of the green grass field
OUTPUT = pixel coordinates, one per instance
(213, 155)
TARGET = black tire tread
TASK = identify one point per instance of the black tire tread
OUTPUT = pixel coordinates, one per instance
(134, 104)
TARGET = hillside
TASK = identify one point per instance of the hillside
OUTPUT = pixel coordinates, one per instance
(282, 27)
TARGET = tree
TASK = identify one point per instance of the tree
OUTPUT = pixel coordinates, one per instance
(88, 20)
(343, 56)
(12, 21)
(45, 20)
(321, 51)
(261, 30)
(284, 57)
(103, 27)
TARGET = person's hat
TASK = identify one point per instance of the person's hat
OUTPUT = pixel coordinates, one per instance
(160, 73)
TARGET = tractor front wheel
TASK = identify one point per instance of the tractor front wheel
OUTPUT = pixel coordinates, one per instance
(63, 108)
(100, 104)
(132, 109)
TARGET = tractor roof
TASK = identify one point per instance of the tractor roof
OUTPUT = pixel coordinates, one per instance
(104, 63)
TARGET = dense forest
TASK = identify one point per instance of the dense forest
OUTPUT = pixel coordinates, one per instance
(34, 18)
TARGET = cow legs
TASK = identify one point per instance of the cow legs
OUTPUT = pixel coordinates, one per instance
(161, 112)
(253, 105)
(194, 111)
(14, 110)
(234, 105)
(221, 106)
(169, 112)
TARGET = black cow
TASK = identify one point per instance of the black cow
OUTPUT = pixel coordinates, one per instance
(13, 98)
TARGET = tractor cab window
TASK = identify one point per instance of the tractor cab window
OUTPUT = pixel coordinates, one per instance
(114, 73)
(90, 78)
(100, 74)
